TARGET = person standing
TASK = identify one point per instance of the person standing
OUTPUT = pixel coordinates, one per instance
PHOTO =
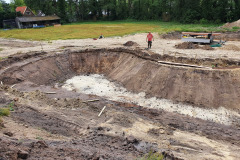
(101, 36)
(149, 39)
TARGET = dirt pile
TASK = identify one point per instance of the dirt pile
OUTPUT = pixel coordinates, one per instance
(130, 44)
(231, 25)
(231, 47)
(227, 36)
(171, 35)
(190, 45)
(207, 47)
(123, 120)
(187, 45)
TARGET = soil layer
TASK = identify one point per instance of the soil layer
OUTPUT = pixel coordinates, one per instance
(48, 122)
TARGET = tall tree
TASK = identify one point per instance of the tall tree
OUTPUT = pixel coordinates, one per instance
(62, 10)
(17, 3)
(5, 12)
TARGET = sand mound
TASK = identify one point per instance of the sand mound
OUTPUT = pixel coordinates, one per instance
(130, 43)
(187, 45)
(231, 47)
(171, 35)
(233, 24)
(123, 120)
(190, 45)
(207, 47)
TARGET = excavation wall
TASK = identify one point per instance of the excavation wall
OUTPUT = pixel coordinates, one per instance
(201, 87)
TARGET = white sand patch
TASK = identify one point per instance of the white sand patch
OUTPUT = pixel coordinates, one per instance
(100, 86)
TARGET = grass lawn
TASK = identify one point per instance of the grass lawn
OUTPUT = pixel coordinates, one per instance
(108, 29)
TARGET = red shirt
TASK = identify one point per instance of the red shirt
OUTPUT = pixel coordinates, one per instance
(150, 37)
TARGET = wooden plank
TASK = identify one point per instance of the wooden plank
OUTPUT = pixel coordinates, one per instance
(204, 34)
(50, 92)
(93, 100)
(101, 111)
(182, 64)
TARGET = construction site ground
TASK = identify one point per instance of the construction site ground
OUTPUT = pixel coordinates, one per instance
(182, 103)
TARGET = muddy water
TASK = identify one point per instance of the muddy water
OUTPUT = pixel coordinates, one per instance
(99, 85)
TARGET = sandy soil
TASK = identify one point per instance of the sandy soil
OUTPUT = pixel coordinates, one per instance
(60, 129)
(160, 46)
(49, 122)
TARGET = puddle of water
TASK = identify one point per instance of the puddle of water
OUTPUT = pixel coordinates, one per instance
(98, 85)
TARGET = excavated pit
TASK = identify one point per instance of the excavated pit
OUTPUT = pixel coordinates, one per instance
(137, 72)
(139, 84)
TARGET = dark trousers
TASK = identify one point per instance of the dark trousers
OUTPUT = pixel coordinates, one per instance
(149, 44)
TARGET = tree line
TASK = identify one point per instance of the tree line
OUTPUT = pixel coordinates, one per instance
(185, 11)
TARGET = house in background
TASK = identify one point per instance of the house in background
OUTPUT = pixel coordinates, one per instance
(36, 21)
(30, 20)
(10, 23)
(25, 11)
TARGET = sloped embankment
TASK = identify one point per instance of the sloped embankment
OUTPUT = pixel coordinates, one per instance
(138, 72)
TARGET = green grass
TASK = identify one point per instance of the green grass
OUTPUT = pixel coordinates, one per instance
(236, 28)
(152, 156)
(1, 49)
(10, 106)
(107, 28)
(4, 112)
(1, 58)
(39, 138)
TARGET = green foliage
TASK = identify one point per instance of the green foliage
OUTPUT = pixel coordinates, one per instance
(4, 112)
(235, 28)
(10, 106)
(16, 3)
(218, 21)
(39, 138)
(62, 10)
(185, 11)
(5, 12)
(19, 3)
(190, 16)
(1, 8)
(1, 58)
(203, 21)
(152, 156)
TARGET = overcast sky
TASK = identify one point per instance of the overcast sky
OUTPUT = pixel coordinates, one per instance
(8, 1)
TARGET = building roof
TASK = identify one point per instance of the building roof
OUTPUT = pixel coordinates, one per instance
(21, 9)
(36, 18)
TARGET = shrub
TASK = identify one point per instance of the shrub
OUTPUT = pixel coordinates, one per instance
(190, 16)
(4, 111)
(203, 21)
(218, 21)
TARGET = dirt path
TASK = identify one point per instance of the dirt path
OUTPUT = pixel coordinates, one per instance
(160, 46)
